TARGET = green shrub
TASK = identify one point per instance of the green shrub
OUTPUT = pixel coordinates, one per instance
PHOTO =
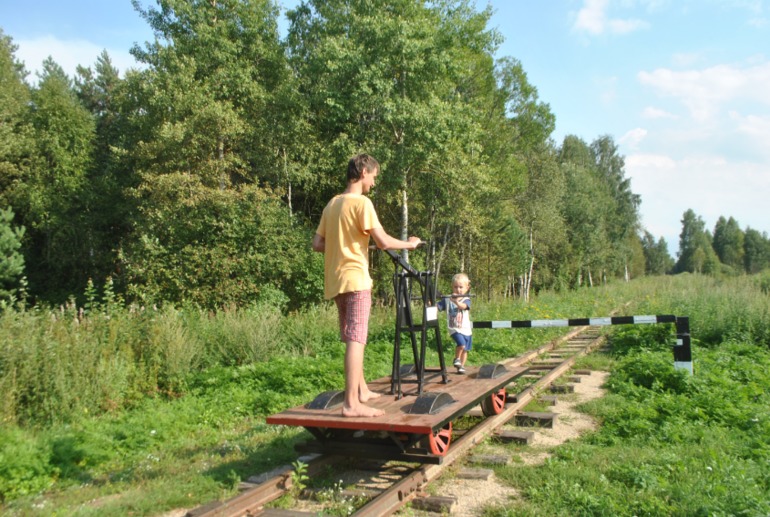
(126, 399)
(764, 282)
(652, 371)
(631, 339)
(24, 466)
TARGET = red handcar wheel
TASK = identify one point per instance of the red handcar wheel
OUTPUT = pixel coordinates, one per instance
(439, 442)
(494, 404)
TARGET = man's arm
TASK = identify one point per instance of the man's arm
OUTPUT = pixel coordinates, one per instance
(386, 242)
(319, 243)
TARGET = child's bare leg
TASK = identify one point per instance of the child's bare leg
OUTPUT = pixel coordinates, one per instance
(354, 379)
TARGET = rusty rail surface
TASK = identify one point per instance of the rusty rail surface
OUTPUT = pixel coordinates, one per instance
(251, 502)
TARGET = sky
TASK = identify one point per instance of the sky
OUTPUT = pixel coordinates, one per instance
(682, 86)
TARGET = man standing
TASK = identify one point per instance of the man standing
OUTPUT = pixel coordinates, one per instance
(348, 221)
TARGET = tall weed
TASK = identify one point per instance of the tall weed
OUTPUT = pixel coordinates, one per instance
(233, 336)
(733, 308)
(671, 443)
(168, 376)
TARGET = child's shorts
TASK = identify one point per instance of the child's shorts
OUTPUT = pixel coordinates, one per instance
(463, 341)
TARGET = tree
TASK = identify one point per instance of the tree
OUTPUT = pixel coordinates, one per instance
(729, 243)
(574, 150)
(587, 227)
(215, 247)
(106, 208)
(96, 90)
(532, 120)
(16, 133)
(657, 259)
(623, 217)
(211, 158)
(11, 260)
(517, 128)
(49, 196)
(398, 87)
(601, 209)
(17, 144)
(696, 253)
(538, 207)
(756, 254)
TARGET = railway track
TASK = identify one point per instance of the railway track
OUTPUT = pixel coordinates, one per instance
(404, 482)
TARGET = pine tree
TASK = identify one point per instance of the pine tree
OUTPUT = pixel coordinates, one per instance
(11, 260)
(696, 253)
(52, 191)
(728, 243)
(16, 134)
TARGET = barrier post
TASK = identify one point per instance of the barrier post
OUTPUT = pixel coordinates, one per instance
(682, 352)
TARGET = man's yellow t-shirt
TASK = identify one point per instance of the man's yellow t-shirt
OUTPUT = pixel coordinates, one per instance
(345, 226)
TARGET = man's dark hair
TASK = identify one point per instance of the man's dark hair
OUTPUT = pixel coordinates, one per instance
(358, 163)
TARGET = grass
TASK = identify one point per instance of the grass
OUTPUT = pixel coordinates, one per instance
(670, 444)
(128, 411)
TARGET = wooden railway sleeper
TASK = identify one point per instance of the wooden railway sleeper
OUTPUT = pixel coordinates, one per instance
(252, 500)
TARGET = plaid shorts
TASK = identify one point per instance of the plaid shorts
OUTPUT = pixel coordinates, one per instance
(354, 309)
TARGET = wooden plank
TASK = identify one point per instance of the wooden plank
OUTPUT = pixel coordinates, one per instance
(476, 412)
(562, 388)
(466, 390)
(475, 473)
(535, 419)
(435, 504)
(489, 459)
(363, 493)
(509, 436)
(547, 362)
(280, 512)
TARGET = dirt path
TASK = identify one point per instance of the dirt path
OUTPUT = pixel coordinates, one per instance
(474, 495)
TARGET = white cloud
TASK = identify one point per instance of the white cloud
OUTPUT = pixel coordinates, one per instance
(593, 19)
(608, 87)
(754, 131)
(626, 26)
(710, 185)
(68, 54)
(651, 112)
(632, 138)
(685, 59)
(705, 91)
(753, 125)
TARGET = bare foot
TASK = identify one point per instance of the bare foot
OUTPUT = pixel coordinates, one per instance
(368, 395)
(361, 411)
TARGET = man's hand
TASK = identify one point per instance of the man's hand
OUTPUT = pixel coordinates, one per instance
(386, 242)
(415, 241)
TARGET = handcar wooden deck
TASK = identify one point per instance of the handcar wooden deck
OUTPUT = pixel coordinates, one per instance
(414, 427)
(420, 403)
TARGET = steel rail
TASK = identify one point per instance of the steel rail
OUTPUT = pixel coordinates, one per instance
(398, 495)
(251, 501)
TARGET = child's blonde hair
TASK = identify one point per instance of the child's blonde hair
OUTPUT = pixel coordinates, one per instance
(461, 277)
